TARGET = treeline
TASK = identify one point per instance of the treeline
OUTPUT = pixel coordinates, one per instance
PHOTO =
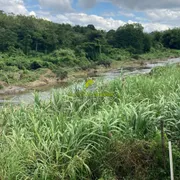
(32, 35)
(36, 37)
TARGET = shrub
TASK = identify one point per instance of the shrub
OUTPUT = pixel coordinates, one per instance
(136, 56)
(62, 57)
(119, 54)
(36, 65)
(2, 65)
(61, 73)
(49, 65)
(158, 71)
(106, 63)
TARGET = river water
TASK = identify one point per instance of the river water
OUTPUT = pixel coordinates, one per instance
(28, 97)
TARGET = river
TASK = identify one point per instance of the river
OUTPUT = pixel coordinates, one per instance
(45, 94)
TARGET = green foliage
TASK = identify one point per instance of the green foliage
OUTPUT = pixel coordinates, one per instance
(158, 71)
(131, 36)
(31, 43)
(84, 64)
(28, 43)
(147, 43)
(171, 38)
(61, 73)
(13, 76)
(104, 61)
(110, 36)
(62, 57)
(136, 56)
(119, 54)
(92, 50)
(77, 136)
(36, 65)
(80, 136)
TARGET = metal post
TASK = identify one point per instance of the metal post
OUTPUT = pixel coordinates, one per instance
(171, 161)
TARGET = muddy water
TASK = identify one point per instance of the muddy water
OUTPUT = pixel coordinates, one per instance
(45, 94)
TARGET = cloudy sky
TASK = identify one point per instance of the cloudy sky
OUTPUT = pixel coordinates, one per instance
(104, 14)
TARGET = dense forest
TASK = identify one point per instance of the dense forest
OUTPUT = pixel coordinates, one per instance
(30, 36)
(29, 43)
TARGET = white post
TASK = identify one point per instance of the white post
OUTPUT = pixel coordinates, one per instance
(171, 161)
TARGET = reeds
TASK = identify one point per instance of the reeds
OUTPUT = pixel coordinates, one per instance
(73, 136)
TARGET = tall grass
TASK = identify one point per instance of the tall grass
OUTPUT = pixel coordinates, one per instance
(91, 137)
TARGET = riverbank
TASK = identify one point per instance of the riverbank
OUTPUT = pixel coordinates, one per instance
(15, 81)
(47, 79)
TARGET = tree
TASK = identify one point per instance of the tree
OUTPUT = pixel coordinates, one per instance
(92, 50)
(147, 42)
(130, 36)
(110, 36)
(7, 39)
(91, 26)
(171, 38)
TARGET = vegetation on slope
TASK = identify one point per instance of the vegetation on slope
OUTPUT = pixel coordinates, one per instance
(77, 135)
(28, 44)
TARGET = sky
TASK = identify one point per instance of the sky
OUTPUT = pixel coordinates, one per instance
(104, 14)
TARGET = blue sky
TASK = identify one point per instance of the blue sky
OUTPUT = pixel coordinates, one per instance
(104, 14)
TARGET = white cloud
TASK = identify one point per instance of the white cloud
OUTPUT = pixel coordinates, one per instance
(164, 15)
(56, 5)
(32, 13)
(160, 19)
(98, 21)
(13, 6)
(83, 19)
(158, 14)
(149, 27)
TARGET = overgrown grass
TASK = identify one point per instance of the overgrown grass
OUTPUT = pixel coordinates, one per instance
(84, 136)
(160, 54)
(20, 77)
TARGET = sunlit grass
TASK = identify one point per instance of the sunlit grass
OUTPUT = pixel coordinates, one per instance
(84, 137)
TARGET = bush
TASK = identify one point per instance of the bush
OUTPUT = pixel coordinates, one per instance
(49, 65)
(11, 69)
(119, 54)
(61, 73)
(158, 71)
(36, 65)
(106, 63)
(136, 56)
(84, 63)
(137, 160)
(2, 65)
(62, 57)
(19, 62)
(15, 52)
